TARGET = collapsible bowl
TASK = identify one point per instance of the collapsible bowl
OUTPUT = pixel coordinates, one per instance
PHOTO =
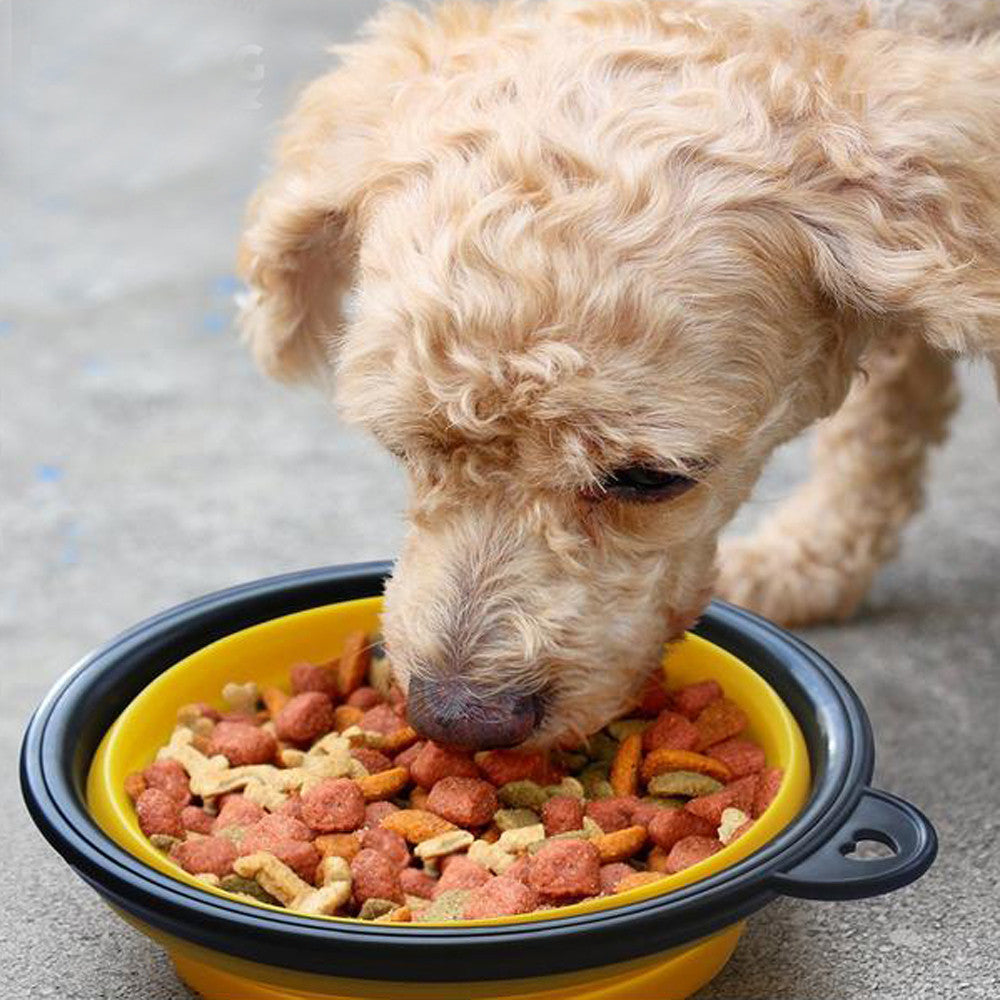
(108, 715)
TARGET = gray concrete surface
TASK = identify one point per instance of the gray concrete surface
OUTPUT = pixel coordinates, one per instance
(145, 462)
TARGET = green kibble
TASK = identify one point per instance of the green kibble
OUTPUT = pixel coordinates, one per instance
(664, 803)
(602, 747)
(523, 795)
(514, 819)
(448, 906)
(623, 728)
(247, 887)
(569, 760)
(568, 787)
(373, 908)
(687, 783)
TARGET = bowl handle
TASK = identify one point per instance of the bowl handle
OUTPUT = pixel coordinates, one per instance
(831, 873)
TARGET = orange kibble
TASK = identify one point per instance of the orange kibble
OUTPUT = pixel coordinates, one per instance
(620, 845)
(384, 784)
(625, 767)
(355, 658)
(721, 720)
(637, 879)
(274, 700)
(339, 845)
(345, 716)
(416, 825)
(664, 759)
(656, 860)
(398, 739)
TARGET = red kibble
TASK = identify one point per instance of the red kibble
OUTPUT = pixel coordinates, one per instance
(375, 812)
(158, 812)
(241, 743)
(721, 720)
(372, 760)
(365, 698)
(767, 789)
(168, 776)
(381, 719)
(272, 828)
(314, 677)
(433, 763)
(461, 873)
(405, 758)
(299, 855)
(334, 805)
(612, 874)
(206, 855)
(389, 844)
(519, 869)
(672, 825)
(417, 883)
(736, 795)
(670, 731)
(503, 766)
(305, 717)
(562, 814)
(690, 851)
(464, 801)
(292, 806)
(653, 698)
(741, 756)
(197, 820)
(566, 869)
(501, 896)
(691, 700)
(237, 811)
(645, 812)
(612, 814)
(375, 877)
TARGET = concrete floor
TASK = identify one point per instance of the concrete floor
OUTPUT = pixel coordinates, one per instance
(145, 462)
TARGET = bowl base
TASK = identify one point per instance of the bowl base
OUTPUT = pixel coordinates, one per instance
(673, 975)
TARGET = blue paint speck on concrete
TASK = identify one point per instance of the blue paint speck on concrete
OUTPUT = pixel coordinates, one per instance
(214, 323)
(95, 366)
(48, 473)
(6, 327)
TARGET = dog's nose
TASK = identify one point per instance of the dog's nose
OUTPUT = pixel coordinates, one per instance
(449, 712)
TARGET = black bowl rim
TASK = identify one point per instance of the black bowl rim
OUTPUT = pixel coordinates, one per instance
(51, 770)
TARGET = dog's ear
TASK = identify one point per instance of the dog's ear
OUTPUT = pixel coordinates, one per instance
(902, 211)
(300, 244)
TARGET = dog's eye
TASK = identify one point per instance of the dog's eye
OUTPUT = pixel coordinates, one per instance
(646, 484)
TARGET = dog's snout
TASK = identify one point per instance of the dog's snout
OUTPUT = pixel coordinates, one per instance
(451, 713)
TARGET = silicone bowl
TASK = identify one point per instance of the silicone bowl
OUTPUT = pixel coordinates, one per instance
(105, 718)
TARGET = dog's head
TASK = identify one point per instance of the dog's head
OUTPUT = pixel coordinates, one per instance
(596, 278)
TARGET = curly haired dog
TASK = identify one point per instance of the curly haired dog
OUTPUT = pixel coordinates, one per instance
(604, 256)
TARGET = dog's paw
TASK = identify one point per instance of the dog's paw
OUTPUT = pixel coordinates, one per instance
(783, 580)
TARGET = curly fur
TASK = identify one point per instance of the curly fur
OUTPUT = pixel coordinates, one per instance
(584, 234)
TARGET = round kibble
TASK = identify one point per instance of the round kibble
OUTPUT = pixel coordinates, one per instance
(305, 717)
(168, 776)
(334, 805)
(206, 855)
(375, 877)
(241, 743)
(464, 801)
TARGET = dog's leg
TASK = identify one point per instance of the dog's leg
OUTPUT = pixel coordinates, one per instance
(815, 557)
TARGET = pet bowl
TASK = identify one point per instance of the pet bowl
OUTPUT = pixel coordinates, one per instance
(106, 717)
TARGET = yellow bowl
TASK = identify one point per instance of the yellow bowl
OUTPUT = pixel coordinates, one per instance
(664, 940)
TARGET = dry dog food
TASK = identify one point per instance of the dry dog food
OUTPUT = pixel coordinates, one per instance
(324, 800)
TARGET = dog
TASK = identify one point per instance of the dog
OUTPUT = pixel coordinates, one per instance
(601, 258)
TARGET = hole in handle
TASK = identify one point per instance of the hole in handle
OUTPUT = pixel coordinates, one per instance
(869, 845)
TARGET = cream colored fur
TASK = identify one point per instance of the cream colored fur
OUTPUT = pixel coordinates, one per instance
(585, 234)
